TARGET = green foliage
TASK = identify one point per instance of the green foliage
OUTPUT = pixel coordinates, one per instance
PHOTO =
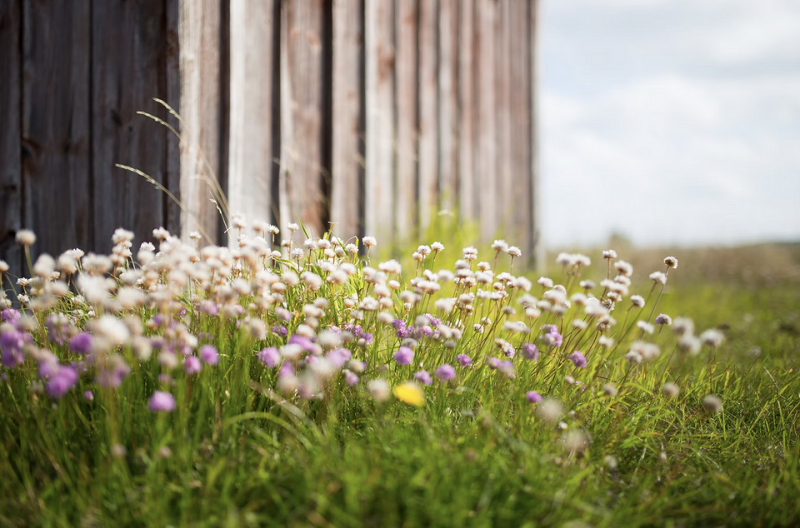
(238, 452)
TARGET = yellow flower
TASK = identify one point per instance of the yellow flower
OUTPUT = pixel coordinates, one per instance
(410, 393)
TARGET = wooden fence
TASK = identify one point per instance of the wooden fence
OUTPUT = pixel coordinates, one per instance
(375, 114)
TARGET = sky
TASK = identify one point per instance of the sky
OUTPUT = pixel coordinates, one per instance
(672, 122)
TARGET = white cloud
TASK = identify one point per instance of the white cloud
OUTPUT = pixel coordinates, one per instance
(673, 122)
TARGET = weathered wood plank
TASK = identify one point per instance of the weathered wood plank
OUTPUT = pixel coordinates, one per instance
(428, 112)
(538, 250)
(172, 95)
(519, 38)
(406, 72)
(502, 114)
(485, 128)
(301, 95)
(467, 115)
(448, 103)
(199, 34)
(128, 48)
(251, 85)
(347, 168)
(56, 139)
(380, 70)
(10, 134)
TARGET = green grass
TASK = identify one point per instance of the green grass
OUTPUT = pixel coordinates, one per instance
(475, 454)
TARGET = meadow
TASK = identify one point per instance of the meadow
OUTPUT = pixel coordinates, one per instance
(330, 385)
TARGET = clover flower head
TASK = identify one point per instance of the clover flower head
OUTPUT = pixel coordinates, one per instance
(161, 402)
(445, 372)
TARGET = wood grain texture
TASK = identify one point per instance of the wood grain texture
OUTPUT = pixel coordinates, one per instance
(486, 126)
(347, 193)
(406, 78)
(448, 103)
(56, 140)
(467, 201)
(128, 49)
(502, 115)
(380, 71)
(428, 188)
(199, 34)
(538, 250)
(301, 95)
(251, 84)
(10, 134)
(520, 47)
(172, 95)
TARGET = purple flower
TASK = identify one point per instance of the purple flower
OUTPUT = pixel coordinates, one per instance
(351, 378)
(192, 365)
(209, 354)
(270, 357)
(493, 362)
(88, 395)
(463, 360)
(398, 324)
(10, 315)
(530, 351)
(578, 359)
(338, 357)
(279, 330)
(404, 356)
(62, 381)
(11, 343)
(423, 377)
(663, 319)
(48, 365)
(162, 402)
(208, 307)
(507, 368)
(81, 343)
(11, 358)
(552, 337)
(287, 369)
(113, 372)
(445, 372)
(533, 397)
(303, 341)
(57, 329)
(435, 321)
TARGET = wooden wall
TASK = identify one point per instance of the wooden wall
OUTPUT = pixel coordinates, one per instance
(374, 114)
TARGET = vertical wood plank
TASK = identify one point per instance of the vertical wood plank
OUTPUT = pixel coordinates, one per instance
(466, 111)
(10, 134)
(380, 66)
(448, 103)
(56, 139)
(172, 95)
(301, 95)
(251, 85)
(347, 167)
(520, 47)
(502, 84)
(538, 249)
(428, 112)
(405, 206)
(128, 48)
(199, 33)
(485, 128)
